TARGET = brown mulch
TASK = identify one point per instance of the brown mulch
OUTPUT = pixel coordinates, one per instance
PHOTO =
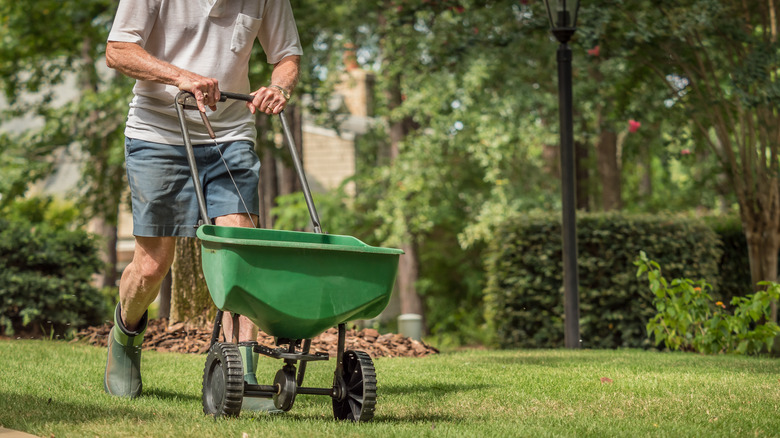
(185, 338)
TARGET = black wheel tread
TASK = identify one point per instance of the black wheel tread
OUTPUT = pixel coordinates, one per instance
(360, 383)
(225, 355)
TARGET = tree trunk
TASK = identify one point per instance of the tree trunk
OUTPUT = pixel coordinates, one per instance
(410, 300)
(763, 246)
(164, 311)
(609, 171)
(408, 268)
(646, 179)
(104, 222)
(190, 299)
(107, 232)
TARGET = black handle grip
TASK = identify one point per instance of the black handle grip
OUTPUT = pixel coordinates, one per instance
(225, 95)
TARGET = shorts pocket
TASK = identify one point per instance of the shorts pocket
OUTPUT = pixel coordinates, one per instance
(244, 33)
(131, 146)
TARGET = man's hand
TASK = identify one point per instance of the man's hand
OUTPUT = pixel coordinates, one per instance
(269, 100)
(205, 90)
(273, 98)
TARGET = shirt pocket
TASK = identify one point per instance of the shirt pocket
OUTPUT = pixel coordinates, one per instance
(244, 33)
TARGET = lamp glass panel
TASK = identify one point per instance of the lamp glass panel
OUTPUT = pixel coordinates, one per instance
(562, 13)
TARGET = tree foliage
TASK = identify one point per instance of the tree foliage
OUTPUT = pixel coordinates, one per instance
(719, 61)
(471, 86)
(37, 60)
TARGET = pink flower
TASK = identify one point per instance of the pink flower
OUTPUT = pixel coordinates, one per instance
(594, 51)
(633, 125)
(685, 152)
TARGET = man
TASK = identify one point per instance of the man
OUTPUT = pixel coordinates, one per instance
(200, 46)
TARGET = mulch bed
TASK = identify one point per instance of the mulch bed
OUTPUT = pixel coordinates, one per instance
(185, 338)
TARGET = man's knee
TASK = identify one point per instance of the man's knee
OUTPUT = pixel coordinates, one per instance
(152, 270)
(153, 257)
(237, 220)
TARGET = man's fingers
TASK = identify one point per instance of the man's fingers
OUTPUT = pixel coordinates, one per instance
(277, 107)
(255, 103)
(267, 101)
(205, 90)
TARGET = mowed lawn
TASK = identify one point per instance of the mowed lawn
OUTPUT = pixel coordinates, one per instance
(50, 388)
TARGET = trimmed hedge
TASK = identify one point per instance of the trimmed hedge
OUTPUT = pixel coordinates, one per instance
(524, 292)
(45, 279)
(734, 264)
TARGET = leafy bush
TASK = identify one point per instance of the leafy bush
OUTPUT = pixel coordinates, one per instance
(734, 265)
(450, 285)
(39, 209)
(292, 213)
(524, 292)
(45, 275)
(689, 320)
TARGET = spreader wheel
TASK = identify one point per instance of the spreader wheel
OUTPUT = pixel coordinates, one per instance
(223, 381)
(285, 382)
(357, 388)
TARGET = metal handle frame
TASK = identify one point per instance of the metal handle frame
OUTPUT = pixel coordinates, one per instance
(186, 101)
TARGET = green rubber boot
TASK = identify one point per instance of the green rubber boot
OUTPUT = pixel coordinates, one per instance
(123, 365)
(249, 359)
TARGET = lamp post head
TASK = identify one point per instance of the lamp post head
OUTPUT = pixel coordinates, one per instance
(563, 18)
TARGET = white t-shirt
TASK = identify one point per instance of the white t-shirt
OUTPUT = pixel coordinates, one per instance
(212, 38)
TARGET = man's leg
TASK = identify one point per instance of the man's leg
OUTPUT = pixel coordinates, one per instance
(138, 288)
(247, 331)
(141, 279)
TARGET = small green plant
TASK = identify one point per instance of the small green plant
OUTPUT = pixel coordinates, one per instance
(687, 319)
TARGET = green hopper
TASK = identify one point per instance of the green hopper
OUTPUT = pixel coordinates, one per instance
(296, 285)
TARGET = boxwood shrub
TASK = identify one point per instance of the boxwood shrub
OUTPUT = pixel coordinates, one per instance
(734, 264)
(45, 276)
(524, 289)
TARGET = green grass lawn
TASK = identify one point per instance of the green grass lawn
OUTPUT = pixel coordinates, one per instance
(55, 388)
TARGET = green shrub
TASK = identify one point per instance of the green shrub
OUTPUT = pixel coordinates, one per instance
(524, 292)
(734, 264)
(45, 276)
(292, 213)
(450, 285)
(689, 319)
(55, 213)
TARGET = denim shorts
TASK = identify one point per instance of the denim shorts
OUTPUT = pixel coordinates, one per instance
(163, 195)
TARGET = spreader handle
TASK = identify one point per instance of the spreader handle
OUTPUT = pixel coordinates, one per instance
(315, 219)
(225, 95)
(181, 104)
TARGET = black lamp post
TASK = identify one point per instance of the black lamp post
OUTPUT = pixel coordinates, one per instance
(563, 23)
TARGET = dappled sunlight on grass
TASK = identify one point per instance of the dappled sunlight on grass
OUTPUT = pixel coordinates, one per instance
(56, 388)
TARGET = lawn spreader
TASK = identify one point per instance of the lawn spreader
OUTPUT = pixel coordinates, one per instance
(292, 285)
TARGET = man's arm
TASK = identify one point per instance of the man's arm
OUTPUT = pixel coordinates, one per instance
(132, 60)
(271, 100)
